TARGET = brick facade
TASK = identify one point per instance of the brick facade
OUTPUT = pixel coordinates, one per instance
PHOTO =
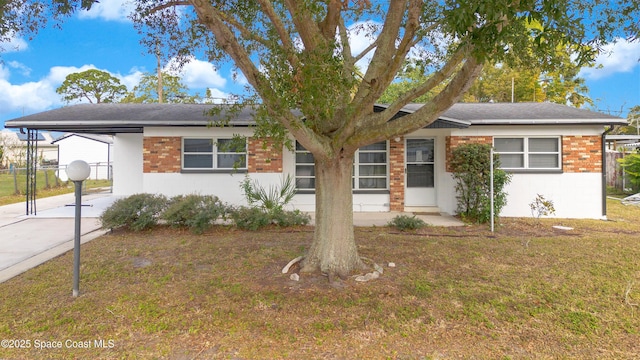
(263, 157)
(161, 154)
(453, 142)
(396, 175)
(582, 154)
(579, 153)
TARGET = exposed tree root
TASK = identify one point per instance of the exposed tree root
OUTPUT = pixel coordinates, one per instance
(334, 276)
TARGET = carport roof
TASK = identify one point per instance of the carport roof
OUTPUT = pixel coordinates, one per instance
(116, 118)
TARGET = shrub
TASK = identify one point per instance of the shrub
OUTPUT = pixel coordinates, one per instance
(253, 218)
(290, 218)
(250, 218)
(471, 170)
(406, 222)
(631, 165)
(197, 212)
(542, 207)
(138, 212)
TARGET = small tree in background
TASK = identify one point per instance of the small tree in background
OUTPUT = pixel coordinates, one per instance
(173, 90)
(631, 165)
(92, 85)
(471, 171)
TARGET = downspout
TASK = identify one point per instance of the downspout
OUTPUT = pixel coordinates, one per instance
(604, 171)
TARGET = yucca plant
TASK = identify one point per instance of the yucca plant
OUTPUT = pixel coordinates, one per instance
(270, 199)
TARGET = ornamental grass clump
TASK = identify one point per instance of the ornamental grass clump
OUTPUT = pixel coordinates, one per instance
(406, 222)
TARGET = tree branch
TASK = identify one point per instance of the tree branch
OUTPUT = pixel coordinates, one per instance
(267, 7)
(307, 28)
(427, 114)
(377, 72)
(169, 4)
(329, 24)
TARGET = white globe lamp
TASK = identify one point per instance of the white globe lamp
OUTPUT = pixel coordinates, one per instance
(77, 171)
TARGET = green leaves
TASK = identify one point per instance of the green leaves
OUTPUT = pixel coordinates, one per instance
(92, 85)
(631, 165)
(471, 166)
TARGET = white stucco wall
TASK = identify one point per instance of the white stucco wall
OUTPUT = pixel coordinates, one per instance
(97, 154)
(575, 195)
(127, 164)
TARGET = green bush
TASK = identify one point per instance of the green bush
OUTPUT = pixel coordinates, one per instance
(406, 222)
(253, 218)
(290, 218)
(631, 165)
(197, 212)
(471, 165)
(138, 212)
(250, 218)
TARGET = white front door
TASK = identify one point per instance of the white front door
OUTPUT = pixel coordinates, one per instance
(420, 172)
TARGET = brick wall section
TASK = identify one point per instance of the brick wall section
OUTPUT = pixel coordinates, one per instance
(582, 154)
(161, 154)
(396, 175)
(264, 159)
(452, 142)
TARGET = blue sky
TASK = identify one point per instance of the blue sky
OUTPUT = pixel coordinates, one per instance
(104, 39)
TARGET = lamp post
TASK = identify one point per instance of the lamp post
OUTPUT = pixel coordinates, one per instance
(77, 171)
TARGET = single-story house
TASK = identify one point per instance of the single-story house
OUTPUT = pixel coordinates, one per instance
(95, 149)
(552, 150)
(14, 145)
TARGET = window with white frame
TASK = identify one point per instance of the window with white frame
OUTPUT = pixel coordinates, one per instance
(210, 153)
(370, 168)
(534, 153)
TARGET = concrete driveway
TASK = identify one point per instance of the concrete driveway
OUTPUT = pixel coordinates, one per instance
(28, 241)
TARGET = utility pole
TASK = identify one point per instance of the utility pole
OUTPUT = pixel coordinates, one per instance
(160, 85)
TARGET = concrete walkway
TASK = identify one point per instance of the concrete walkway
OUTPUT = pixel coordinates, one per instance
(28, 241)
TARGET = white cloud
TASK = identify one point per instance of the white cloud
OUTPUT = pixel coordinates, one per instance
(361, 35)
(24, 69)
(26, 98)
(36, 96)
(197, 74)
(15, 44)
(110, 10)
(218, 96)
(130, 80)
(619, 57)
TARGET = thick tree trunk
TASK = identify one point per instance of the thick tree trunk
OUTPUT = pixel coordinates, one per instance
(334, 250)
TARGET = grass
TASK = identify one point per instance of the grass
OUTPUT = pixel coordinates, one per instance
(46, 186)
(454, 293)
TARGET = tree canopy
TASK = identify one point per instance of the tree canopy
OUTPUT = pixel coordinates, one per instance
(173, 90)
(93, 85)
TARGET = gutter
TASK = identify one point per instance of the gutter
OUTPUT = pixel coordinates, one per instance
(604, 170)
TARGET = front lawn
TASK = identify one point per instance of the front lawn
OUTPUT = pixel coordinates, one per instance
(525, 291)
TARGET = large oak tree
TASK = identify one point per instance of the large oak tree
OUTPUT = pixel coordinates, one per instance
(302, 57)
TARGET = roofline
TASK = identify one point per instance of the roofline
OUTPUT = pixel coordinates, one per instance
(594, 121)
(70, 134)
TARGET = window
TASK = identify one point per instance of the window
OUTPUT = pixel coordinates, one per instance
(207, 153)
(370, 168)
(305, 168)
(538, 153)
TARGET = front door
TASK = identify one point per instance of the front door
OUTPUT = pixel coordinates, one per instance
(420, 172)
